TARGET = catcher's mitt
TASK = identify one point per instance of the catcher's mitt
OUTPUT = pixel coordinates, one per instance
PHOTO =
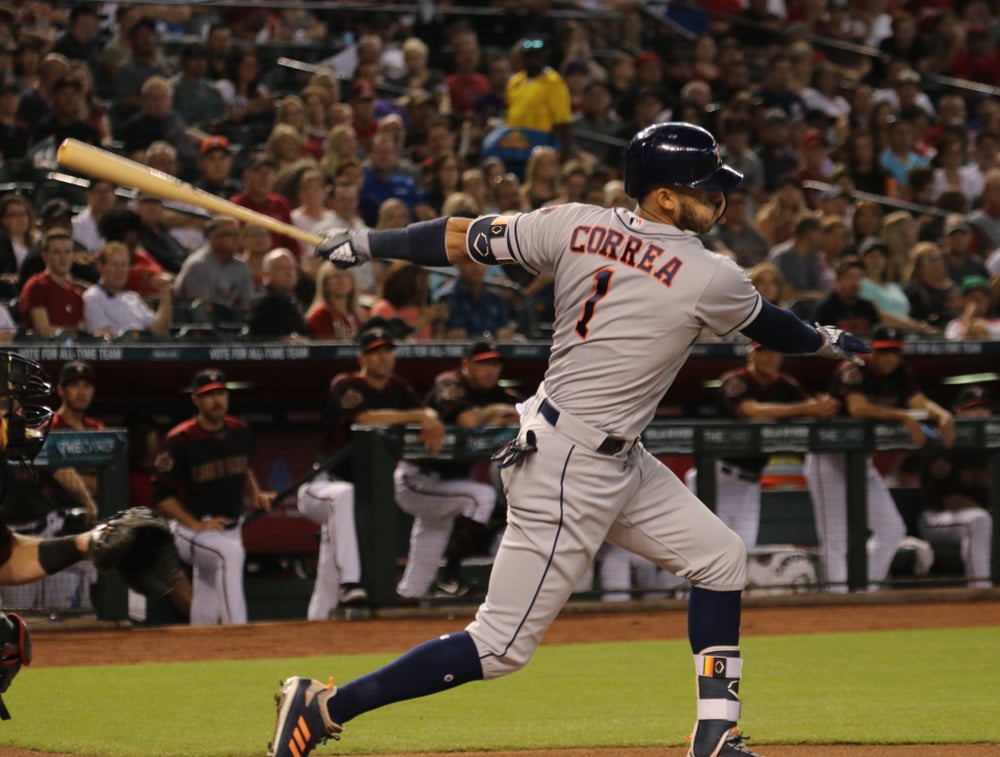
(138, 544)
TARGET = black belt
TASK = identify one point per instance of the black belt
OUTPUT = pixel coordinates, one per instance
(741, 474)
(610, 445)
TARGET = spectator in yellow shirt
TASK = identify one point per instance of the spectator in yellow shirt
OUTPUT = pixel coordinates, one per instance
(537, 96)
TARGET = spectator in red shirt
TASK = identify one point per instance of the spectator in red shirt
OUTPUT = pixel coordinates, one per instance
(125, 225)
(363, 119)
(466, 85)
(50, 301)
(978, 60)
(258, 194)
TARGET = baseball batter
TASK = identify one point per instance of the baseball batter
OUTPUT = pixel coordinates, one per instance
(632, 291)
(882, 389)
(760, 391)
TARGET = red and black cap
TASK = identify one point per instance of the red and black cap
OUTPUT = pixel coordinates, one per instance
(208, 380)
(481, 351)
(77, 370)
(887, 338)
(974, 396)
(374, 337)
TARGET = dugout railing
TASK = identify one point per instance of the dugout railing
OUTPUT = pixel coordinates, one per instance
(376, 451)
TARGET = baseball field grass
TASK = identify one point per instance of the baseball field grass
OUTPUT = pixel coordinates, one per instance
(901, 687)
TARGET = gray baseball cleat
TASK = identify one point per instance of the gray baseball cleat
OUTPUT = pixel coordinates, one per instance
(303, 720)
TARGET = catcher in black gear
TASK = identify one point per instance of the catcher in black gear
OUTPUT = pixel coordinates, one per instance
(135, 542)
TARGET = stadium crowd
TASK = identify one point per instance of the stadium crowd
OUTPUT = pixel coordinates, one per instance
(868, 133)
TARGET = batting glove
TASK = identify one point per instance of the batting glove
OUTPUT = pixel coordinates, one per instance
(840, 345)
(345, 249)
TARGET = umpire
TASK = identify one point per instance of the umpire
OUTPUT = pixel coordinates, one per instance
(201, 477)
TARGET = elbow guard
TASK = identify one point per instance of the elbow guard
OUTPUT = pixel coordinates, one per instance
(487, 241)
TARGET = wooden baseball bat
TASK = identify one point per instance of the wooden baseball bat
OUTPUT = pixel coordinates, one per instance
(102, 164)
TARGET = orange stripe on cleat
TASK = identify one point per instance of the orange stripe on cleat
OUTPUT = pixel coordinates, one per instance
(304, 727)
(297, 735)
(294, 749)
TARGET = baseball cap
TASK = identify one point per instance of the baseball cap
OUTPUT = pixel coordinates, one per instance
(77, 370)
(648, 58)
(955, 222)
(973, 282)
(214, 143)
(193, 50)
(872, 243)
(974, 396)
(217, 222)
(208, 380)
(482, 351)
(55, 208)
(832, 193)
(373, 337)
(259, 160)
(887, 338)
(363, 89)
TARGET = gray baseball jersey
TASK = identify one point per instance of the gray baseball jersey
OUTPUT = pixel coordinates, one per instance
(646, 290)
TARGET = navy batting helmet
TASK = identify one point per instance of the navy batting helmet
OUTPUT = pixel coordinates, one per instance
(679, 155)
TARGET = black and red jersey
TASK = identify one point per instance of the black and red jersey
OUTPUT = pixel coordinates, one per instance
(739, 385)
(90, 424)
(451, 396)
(894, 389)
(350, 395)
(206, 470)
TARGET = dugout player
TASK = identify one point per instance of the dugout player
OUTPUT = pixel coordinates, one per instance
(632, 291)
(201, 477)
(450, 511)
(759, 391)
(374, 396)
(882, 389)
(956, 494)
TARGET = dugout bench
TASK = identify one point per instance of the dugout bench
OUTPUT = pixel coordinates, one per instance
(377, 449)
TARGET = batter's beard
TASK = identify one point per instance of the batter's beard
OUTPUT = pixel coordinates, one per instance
(688, 221)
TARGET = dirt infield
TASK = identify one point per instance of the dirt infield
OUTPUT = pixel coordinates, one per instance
(56, 649)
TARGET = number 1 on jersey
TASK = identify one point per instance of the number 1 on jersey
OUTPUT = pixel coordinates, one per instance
(602, 281)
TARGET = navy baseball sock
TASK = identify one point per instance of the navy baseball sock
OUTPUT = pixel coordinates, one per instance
(713, 619)
(434, 666)
(714, 633)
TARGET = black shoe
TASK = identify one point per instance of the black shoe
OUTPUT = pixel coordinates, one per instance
(452, 588)
(353, 595)
(402, 601)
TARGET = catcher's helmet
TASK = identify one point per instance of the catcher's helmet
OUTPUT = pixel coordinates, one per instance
(23, 425)
(676, 154)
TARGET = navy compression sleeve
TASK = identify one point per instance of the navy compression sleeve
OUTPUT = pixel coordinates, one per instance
(782, 330)
(421, 243)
